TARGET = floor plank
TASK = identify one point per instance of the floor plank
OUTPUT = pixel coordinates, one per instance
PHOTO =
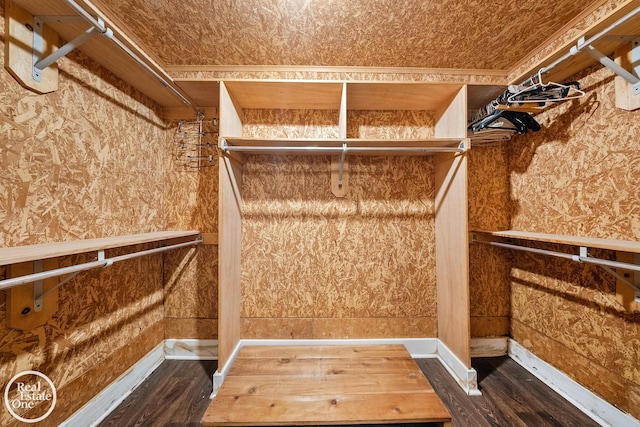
(176, 394)
(511, 396)
(302, 385)
(322, 366)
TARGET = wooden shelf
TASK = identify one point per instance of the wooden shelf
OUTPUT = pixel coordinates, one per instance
(607, 46)
(285, 94)
(400, 95)
(14, 255)
(104, 51)
(591, 242)
(280, 145)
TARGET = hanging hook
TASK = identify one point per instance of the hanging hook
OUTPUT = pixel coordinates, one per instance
(540, 77)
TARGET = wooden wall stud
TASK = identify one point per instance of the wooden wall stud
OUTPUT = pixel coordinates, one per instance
(626, 57)
(625, 295)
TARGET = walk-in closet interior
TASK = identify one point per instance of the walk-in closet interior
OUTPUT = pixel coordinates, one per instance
(316, 193)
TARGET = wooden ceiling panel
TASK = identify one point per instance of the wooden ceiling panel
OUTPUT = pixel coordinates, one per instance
(381, 33)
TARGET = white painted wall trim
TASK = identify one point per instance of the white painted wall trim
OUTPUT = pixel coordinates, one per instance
(467, 378)
(220, 375)
(582, 398)
(98, 408)
(190, 349)
(489, 347)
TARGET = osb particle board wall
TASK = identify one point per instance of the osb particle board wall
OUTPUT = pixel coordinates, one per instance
(317, 266)
(85, 161)
(579, 176)
(190, 275)
(80, 163)
(489, 202)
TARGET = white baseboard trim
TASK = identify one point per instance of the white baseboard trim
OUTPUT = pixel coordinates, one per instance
(98, 408)
(417, 347)
(467, 378)
(190, 349)
(582, 398)
(489, 347)
(220, 374)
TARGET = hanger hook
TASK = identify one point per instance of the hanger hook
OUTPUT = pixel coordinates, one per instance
(540, 77)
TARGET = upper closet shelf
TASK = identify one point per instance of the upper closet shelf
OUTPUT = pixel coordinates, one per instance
(331, 95)
(358, 146)
(117, 52)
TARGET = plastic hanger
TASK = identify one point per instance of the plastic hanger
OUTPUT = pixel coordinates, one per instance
(541, 92)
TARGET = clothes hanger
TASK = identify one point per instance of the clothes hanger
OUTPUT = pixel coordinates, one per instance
(512, 121)
(541, 92)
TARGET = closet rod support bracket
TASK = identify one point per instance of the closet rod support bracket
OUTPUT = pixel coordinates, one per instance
(40, 62)
(38, 287)
(629, 76)
(341, 165)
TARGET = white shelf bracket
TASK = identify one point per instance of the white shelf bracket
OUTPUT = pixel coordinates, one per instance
(629, 76)
(38, 287)
(635, 285)
(341, 164)
(40, 63)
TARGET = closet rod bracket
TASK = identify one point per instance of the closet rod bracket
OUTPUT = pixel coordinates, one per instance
(629, 76)
(40, 62)
(341, 165)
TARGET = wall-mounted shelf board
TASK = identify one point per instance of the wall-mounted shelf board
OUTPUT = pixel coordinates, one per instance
(626, 268)
(105, 52)
(590, 242)
(581, 61)
(17, 254)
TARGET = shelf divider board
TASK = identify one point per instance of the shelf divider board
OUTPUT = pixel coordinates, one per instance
(339, 163)
(452, 241)
(229, 234)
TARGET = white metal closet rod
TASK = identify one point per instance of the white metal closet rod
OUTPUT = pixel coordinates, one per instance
(582, 45)
(577, 258)
(339, 150)
(29, 278)
(102, 29)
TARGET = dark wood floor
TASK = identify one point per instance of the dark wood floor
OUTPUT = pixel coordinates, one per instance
(177, 394)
